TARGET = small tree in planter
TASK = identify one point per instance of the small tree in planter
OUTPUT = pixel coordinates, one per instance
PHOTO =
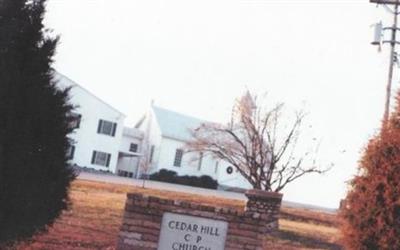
(258, 145)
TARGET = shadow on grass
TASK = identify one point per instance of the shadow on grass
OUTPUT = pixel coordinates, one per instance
(307, 241)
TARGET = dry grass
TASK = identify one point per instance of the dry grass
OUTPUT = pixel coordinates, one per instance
(96, 214)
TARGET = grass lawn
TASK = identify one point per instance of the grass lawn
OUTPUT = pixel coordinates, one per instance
(96, 214)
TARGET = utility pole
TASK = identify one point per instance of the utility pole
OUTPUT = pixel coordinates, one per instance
(393, 42)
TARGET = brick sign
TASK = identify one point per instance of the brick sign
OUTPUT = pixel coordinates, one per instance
(182, 232)
(152, 223)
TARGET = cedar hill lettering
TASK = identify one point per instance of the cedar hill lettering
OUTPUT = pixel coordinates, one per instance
(189, 238)
(183, 232)
(194, 228)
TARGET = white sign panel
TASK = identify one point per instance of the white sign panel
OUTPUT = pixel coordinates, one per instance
(182, 232)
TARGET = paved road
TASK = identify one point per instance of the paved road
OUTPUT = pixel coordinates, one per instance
(187, 189)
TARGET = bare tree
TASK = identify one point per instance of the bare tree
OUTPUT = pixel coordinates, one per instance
(144, 165)
(258, 144)
(147, 152)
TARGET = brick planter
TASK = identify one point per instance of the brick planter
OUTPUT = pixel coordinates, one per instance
(266, 204)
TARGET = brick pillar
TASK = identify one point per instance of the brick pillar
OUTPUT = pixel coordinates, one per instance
(265, 206)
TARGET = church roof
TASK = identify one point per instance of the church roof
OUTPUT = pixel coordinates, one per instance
(175, 125)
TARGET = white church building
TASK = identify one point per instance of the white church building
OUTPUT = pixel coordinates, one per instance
(101, 141)
(166, 133)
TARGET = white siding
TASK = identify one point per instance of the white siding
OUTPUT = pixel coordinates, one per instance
(190, 165)
(86, 137)
(128, 138)
(190, 161)
(130, 163)
(233, 180)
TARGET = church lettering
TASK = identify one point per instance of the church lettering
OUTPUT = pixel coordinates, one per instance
(183, 232)
(194, 228)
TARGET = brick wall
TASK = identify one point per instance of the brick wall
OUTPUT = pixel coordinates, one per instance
(247, 228)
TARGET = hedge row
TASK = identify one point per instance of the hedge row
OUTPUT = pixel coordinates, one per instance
(203, 181)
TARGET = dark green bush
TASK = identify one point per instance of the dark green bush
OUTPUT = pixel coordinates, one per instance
(35, 175)
(164, 176)
(203, 181)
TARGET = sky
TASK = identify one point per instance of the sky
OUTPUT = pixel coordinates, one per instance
(196, 57)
